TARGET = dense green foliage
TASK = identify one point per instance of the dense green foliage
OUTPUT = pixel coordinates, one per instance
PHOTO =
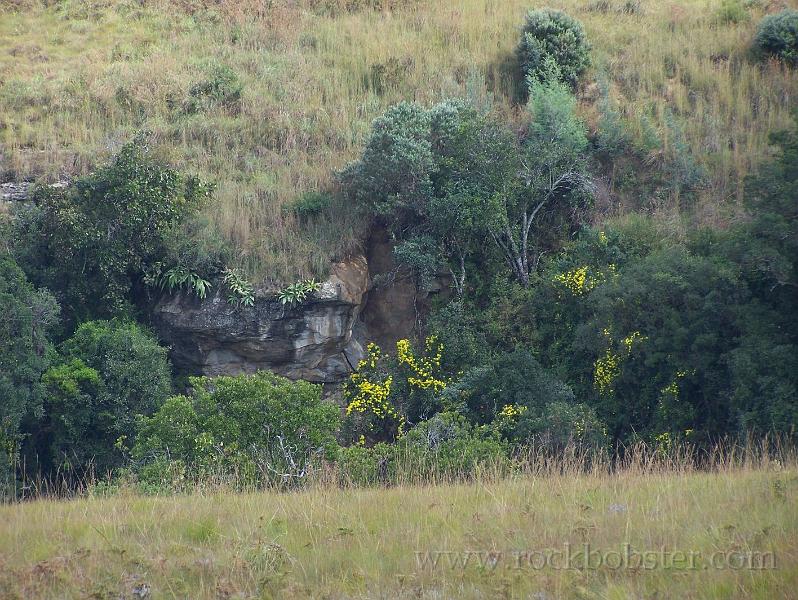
(95, 239)
(25, 352)
(423, 175)
(260, 427)
(778, 35)
(444, 446)
(553, 46)
(108, 373)
(559, 333)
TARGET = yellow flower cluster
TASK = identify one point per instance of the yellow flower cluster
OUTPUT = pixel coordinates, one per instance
(672, 389)
(425, 367)
(374, 355)
(608, 368)
(631, 339)
(579, 281)
(605, 371)
(371, 396)
(511, 411)
(576, 281)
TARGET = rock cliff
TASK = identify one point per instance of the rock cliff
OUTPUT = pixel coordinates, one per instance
(316, 340)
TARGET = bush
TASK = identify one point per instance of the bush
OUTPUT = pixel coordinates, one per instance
(109, 227)
(110, 372)
(563, 425)
(778, 35)
(246, 429)
(553, 40)
(27, 315)
(732, 11)
(310, 204)
(448, 446)
(444, 447)
(221, 88)
(511, 379)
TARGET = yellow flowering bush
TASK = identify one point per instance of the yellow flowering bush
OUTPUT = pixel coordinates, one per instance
(386, 392)
(507, 419)
(607, 368)
(424, 370)
(581, 280)
(371, 414)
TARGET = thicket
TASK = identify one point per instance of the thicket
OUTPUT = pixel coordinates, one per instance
(777, 35)
(553, 46)
(558, 334)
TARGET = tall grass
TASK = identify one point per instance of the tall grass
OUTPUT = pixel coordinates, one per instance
(329, 541)
(408, 467)
(78, 78)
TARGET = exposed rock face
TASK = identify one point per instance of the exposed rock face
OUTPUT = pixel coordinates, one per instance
(392, 310)
(396, 308)
(21, 191)
(320, 340)
(312, 341)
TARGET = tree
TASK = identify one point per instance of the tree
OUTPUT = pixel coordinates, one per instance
(553, 47)
(554, 183)
(261, 427)
(477, 164)
(777, 35)
(434, 177)
(25, 352)
(97, 237)
(110, 372)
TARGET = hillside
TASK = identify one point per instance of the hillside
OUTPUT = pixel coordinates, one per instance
(270, 98)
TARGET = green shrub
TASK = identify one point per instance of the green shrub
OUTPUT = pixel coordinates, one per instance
(298, 292)
(247, 429)
(221, 88)
(240, 291)
(778, 35)
(448, 446)
(445, 447)
(551, 39)
(732, 11)
(110, 372)
(310, 204)
(563, 425)
(25, 352)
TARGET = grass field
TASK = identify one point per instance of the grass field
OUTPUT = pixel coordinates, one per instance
(77, 78)
(731, 532)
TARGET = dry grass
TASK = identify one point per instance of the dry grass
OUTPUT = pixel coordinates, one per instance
(329, 542)
(79, 78)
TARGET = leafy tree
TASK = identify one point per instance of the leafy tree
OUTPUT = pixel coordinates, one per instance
(554, 183)
(25, 352)
(477, 164)
(768, 246)
(110, 372)
(258, 427)
(99, 235)
(514, 379)
(553, 47)
(423, 173)
(778, 35)
(392, 176)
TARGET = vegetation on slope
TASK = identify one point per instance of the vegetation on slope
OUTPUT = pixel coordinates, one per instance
(270, 99)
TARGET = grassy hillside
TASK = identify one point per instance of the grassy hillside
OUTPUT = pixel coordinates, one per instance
(374, 543)
(269, 98)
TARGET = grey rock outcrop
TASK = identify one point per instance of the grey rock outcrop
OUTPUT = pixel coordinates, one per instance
(316, 340)
(21, 191)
